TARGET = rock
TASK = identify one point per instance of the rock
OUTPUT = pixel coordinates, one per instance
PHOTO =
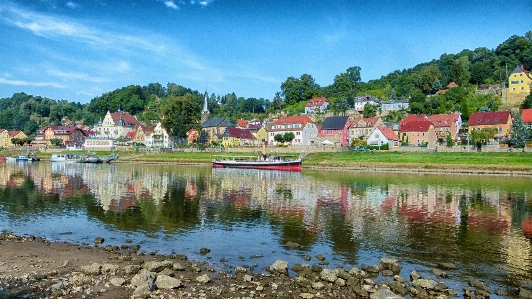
(142, 278)
(167, 272)
(398, 287)
(167, 282)
(132, 269)
(524, 293)
(92, 269)
(58, 286)
(117, 281)
(279, 267)
(479, 285)
(111, 268)
(414, 275)
(399, 278)
(247, 278)
(427, 284)
(144, 290)
(318, 285)
(340, 282)
(439, 273)
(240, 270)
(384, 294)
(307, 295)
(134, 248)
(307, 258)
(203, 279)
(320, 257)
(387, 273)
(153, 266)
(446, 266)
(302, 282)
(204, 251)
(390, 264)
(373, 269)
(99, 240)
(358, 273)
(316, 268)
(66, 264)
(178, 267)
(298, 268)
(291, 245)
(328, 275)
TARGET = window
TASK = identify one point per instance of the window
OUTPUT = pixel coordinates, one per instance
(522, 88)
(500, 129)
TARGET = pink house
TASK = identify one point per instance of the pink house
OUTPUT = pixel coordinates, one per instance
(336, 129)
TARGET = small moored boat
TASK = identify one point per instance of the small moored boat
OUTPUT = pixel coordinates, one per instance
(66, 158)
(22, 158)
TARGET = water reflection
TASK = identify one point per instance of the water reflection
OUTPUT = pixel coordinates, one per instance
(483, 224)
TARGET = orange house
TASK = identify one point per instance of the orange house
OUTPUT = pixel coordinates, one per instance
(502, 120)
(418, 132)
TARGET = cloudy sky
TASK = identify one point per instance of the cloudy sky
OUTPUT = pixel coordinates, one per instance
(79, 49)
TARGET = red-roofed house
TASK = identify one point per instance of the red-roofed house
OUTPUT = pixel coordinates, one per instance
(526, 114)
(192, 136)
(444, 124)
(502, 120)
(303, 127)
(116, 125)
(383, 135)
(361, 128)
(15, 134)
(237, 137)
(418, 132)
(316, 105)
(242, 123)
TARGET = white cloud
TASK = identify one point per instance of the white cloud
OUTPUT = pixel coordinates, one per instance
(26, 83)
(71, 4)
(171, 4)
(77, 76)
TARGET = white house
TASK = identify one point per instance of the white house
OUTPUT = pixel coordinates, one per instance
(115, 125)
(394, 105)
(102, 144)
(316, 105)
(383, 135)
(303, 127)
(360, 102)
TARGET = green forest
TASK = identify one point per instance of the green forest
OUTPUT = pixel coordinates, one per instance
(179, 107)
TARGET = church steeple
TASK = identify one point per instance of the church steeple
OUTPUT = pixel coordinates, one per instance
(205, 114)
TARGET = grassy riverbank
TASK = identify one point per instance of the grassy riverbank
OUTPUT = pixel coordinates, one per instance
(518, 162)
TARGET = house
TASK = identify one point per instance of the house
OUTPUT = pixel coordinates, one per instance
(335, 129)
(215, 127)
(520, 80)
(192, 136)
(383, 135)
(360, 102)
(361, 128)
(242, 123)
(76, 139)
(102, 144)
(444, 124)
(237, 137)
(394, 105)
(303, 127)
(55, 132)
(4, 138)
(526, 114)
(161, 138)
(418, 132)
(316, 105)
(115, 125)
(139, 137)
(17, 134)
(259, 132)
(502, 120)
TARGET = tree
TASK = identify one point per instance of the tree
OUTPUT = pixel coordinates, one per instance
(436, 85)
(369, 110)
(460, 73)
(297, 90)
(425, 78)
(480, 137)
(346, 83)
(449, 140)
(519, 133)
(288, 137)
(278, 138)
(528, 101)
(180, 114)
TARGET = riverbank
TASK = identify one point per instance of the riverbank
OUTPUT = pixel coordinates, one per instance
(32, 267)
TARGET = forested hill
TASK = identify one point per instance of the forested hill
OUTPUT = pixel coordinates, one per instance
(469, 69)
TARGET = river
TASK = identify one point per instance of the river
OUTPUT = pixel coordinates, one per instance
(482, 224)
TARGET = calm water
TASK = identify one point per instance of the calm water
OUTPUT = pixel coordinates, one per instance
(482, 224)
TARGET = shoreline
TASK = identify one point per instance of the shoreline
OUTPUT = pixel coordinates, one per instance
(33, 267)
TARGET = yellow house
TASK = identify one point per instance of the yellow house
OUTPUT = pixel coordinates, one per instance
(15, 134)
(501, 120)
(520, 81)
(234, 137)
(4, 138)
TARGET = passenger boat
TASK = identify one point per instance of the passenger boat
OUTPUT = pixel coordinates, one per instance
(22, 158)
(66, 158)
(257, 162)
(90, 158)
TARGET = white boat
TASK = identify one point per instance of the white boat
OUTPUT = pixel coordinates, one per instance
(22, 158)
(66, 158)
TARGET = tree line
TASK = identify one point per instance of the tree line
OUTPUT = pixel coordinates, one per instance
(179, 108)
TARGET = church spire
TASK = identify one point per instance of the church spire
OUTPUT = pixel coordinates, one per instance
(205, 114)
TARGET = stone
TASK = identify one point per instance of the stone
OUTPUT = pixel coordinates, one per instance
(167, 282)
(414, 275)
(99, 240)
(398, 287)
(302, 282)
(92, 269)
(439, 273)
(307, 295)
(389, 264)
(178, 267)
(328, 275)
(399, 278)
(384, 294)
(358, 273)
(204, 251)
(427, 284)
(279, 267)
(479, 285)
(153, 266)
(111, 268)
(132, 269)
(292, 245)
(446, 266)
(203, 279)
(117, 281)
(144, 277)
(240, 270)
(167, 272)
(318, 285)
(320, 257)
(524, 293)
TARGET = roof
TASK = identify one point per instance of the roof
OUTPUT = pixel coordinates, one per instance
(242, 123)
(335, 122)
(59, 130)
(2, 130)
(489, 118)
(370, 122)
(388, 132)
(13, 133)
(131, 134)
(452, 85)
(238, 133)
(128, 119)
(317, 102)
(217, 122)
(444, 120)
(525, 113)
(416, 126)
(303, 120)
(520, 69)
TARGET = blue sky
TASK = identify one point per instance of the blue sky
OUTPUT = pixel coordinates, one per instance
(76, 50)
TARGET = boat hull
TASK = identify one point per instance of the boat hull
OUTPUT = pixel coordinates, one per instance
(282, 165)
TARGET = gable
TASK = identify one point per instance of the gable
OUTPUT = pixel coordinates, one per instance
(489, 118)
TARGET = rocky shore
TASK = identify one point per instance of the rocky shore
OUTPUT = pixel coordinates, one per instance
(32, 267)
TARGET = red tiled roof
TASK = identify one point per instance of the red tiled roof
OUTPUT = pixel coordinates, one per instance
(242, 123)
(526, 114)
(489, 118)
(317, 102)
(13, 133)
(415, 126)
(239, 133)
(131, 134)
(452, 84)
(444, 120)
(290, 120)
(128, 119)
(388, 132)
(2, 130)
